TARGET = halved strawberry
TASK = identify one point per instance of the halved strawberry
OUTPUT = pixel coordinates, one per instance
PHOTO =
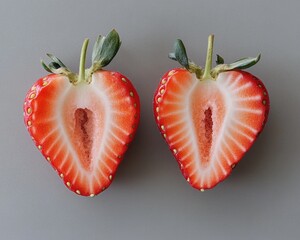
(83, 123)
(210, 117)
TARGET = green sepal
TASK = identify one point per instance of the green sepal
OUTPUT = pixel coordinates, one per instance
(181, 57)
(245, 62)
(54, 65)
(45, 66)
(219, 60)
(105, 49)
(56, 60)
(179, 54)
(172, 56)
(58, 67)
(239, 64)
(97, 47)
(208, 73)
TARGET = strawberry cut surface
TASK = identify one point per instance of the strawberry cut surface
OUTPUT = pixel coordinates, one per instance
(83, 130)
(209, 125)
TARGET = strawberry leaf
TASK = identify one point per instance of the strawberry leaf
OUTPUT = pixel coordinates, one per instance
(56, 60)
(172, 56)
(97, 48)
(239, 64)
(219, 60)
(54, 65)
(109, 48)
(245, 62)
(180, 53)
(46, 67)
(180, 56)
(104, 50)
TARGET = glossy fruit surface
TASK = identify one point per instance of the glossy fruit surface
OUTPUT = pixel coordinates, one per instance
(209, 120)
(83, 125)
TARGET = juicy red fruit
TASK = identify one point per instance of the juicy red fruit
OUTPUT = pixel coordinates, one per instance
(210, 120)
(83, 126)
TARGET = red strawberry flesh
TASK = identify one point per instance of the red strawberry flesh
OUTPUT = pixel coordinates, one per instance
(83, 123)
(83, 130)
(209, 125)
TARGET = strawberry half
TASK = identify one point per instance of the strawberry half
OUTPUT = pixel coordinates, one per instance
(83, 123)
(211, 117)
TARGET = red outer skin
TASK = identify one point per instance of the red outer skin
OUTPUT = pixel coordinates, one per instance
(162, 85)
(32, 100)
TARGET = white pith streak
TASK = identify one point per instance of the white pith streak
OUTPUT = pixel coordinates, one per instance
(240, 132)
(172, 136)
(63, 161)
(234, 83)
(253, 130)
(243, 87)
(53, 131)
(247, 110)
(53, 144)
(231, 127)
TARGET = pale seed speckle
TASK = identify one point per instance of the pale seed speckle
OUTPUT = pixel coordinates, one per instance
(32, 95)
(171, 73)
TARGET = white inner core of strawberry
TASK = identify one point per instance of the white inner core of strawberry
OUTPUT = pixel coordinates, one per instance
(83, 133)
(207, 112)
(84, 115)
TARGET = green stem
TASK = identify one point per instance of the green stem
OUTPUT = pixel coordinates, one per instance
(208, 63)
(81, 77)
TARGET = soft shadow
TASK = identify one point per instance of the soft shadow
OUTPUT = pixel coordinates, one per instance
(142, 161)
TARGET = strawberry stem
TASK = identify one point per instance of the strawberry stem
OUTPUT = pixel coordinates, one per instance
(208, 63)
(81, 76)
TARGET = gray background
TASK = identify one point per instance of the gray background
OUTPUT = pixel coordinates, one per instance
(149, 198)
